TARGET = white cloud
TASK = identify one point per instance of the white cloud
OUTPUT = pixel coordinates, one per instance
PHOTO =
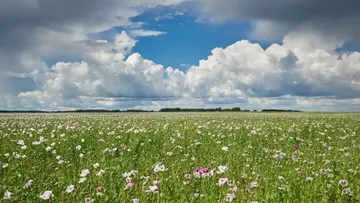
(105, 73)
(145, 33)
(294, 68)
(292, 75)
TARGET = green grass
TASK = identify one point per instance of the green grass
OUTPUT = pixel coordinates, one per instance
(255, 142)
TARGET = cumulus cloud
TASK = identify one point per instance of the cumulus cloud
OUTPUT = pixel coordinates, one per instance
(106, 73)
(31, 30)
(293, 74)
(245, 69)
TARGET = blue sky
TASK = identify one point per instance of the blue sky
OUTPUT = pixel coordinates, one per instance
(187, 41)
(303, 73)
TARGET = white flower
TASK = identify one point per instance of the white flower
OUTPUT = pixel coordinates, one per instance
(7, 155)
(282, 187)
(347, 191)
(100, 172)
(5, 165)
(81, 155)
(84, 172)
(8, 195)
(254, 184)
(46, 195)
(127, 174)
(230, 197)
(159, 167)
(222, 169)
(282, 155)
(60, 162)
(344, 183)
(78, 147)
(82, 180)
(225, 148)
(28, 184)
(58, 157)
(21, 142)
(169, 153)
(48, 148)
(70, 188)
(24, 147)
(96, 165)
(88, 199)
(153, 189)
(309, 179)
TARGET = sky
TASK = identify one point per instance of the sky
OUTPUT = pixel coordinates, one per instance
(152, 54)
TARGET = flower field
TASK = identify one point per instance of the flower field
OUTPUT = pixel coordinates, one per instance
(180, 157)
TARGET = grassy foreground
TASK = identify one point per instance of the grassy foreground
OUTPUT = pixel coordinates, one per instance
(185, 157)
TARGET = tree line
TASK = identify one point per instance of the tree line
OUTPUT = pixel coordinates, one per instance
(219, 109)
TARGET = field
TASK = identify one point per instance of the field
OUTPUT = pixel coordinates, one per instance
(180, 157)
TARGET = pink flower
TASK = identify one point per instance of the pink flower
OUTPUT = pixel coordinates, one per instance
(84, 172)
(182, 137)
(130, 185)
(70, 188)
(201, 172)
(281, 178)
(101, 140)
(125, 148)
(323, 171)
(299, 170)
(46, 195)
(135, 200)
(8, 195)
(296, 146)
(222, 181)
(156, 182)
(153, 189)
(187, 176)
(100, 188)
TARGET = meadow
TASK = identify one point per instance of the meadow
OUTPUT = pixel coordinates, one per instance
(180, 157)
